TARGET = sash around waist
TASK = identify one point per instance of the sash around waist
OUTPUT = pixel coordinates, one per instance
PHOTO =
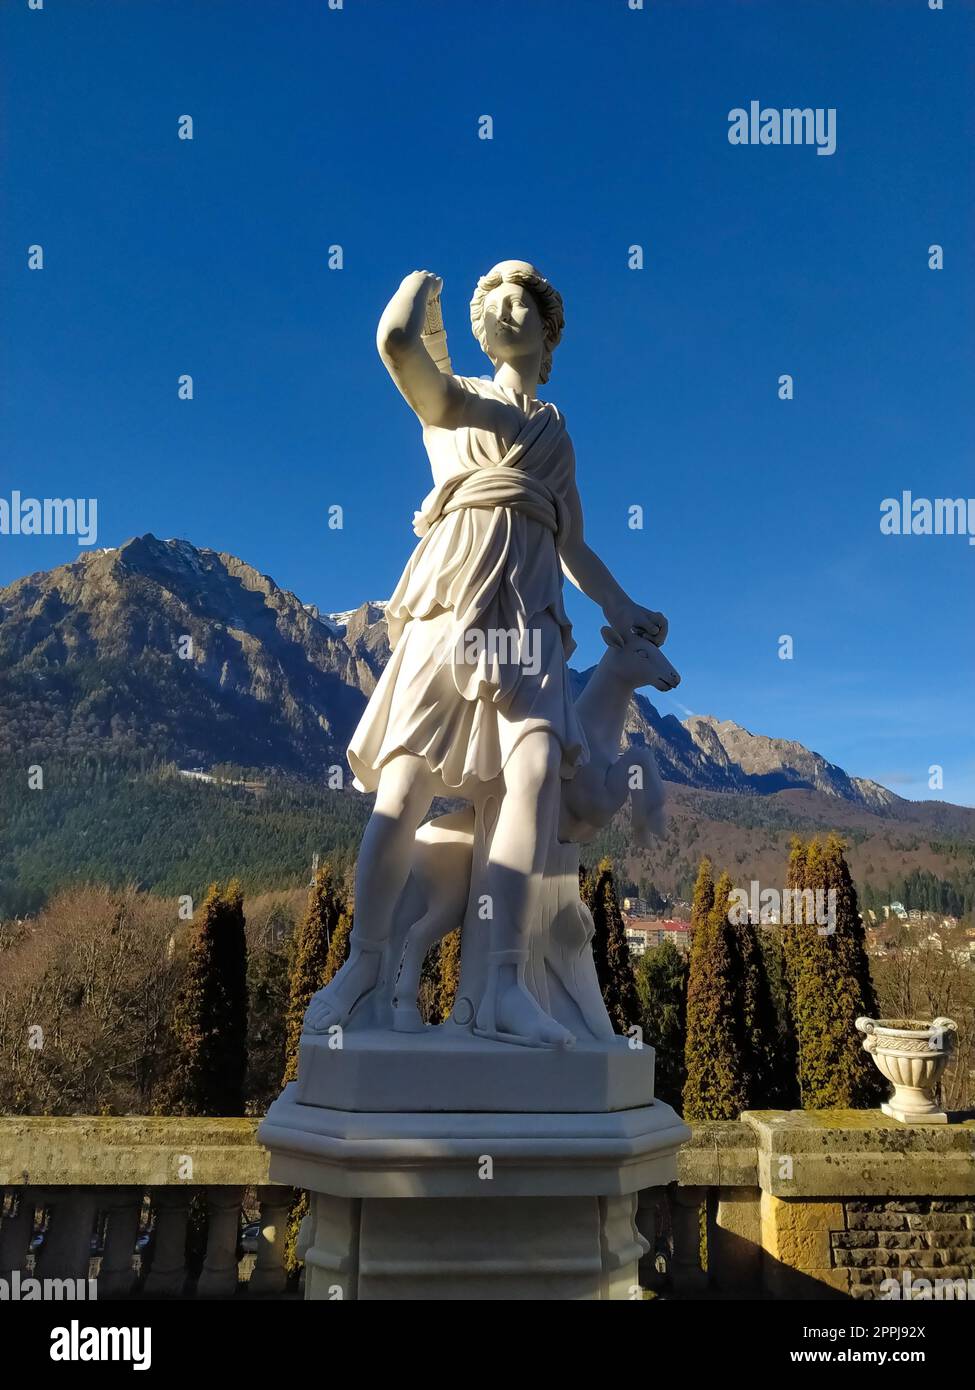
(490, 488)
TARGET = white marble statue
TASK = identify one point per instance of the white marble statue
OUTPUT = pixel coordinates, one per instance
(475, 702)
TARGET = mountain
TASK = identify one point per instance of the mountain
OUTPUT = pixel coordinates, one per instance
(163, 649)
(775, 764)
(179, 653)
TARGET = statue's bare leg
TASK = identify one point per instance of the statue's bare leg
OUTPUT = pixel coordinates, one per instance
(406, 788)
(520, 846)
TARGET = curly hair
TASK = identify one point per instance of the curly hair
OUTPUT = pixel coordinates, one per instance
(546, 297)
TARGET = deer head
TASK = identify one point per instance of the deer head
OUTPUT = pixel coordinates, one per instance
(636, 661)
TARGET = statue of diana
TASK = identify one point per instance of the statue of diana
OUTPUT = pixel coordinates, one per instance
(475, 702)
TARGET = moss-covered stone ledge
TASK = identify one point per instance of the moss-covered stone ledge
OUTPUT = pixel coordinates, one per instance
(130, 1151)
(860, 1153)
(719, 1153)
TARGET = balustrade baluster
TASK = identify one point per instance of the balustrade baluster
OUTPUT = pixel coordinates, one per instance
(218, 1278)
(167, 1266)
(123, 1207)
(66, 1252)
(686, 1204)
(269, 1276)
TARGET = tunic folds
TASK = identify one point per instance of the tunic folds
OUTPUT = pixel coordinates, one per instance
(477, 625)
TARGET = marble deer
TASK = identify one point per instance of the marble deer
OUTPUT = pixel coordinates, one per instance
(441, 872)
(598, 790)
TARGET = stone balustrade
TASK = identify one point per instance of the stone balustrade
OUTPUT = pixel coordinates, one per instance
(78, 1193)
(780, 1204)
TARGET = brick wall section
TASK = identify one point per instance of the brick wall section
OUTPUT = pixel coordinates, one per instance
(932, 1237)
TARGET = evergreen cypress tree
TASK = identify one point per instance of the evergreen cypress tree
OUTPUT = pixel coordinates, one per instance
(796, 873)
(805, 967)
(614, 967)
(310, 958)
(448, 975)
(661, 983)
(338, 949)
(210, 1016)
(703, 900)
(858, 1077)
(717, 1087)
(830, 985)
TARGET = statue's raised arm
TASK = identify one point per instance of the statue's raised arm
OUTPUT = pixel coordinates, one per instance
(432, 393)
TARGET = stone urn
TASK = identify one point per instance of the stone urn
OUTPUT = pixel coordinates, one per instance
(912, 1056)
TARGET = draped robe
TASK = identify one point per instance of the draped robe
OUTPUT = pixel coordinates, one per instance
(477, 625)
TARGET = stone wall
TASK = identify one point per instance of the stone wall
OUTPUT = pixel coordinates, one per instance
(880, 1238)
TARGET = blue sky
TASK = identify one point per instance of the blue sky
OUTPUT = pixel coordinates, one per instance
(358, 127)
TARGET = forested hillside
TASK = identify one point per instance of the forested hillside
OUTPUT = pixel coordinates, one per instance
(158, 830)
(149, 825)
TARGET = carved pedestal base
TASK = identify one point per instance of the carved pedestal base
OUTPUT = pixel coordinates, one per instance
(464, 1248)
(468, 1205)
(913, 1108)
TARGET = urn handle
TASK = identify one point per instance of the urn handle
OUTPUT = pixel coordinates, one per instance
(944, 1032)
(868, 1027)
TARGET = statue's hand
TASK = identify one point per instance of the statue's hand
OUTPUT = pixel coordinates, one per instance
(629, 618)
(404, 320)
(421, 285)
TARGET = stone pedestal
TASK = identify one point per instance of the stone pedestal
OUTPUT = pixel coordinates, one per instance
(474, 1204)
(447, 1249)
(448, 1069)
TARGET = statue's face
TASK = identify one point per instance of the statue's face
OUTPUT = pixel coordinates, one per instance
(512, 323)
